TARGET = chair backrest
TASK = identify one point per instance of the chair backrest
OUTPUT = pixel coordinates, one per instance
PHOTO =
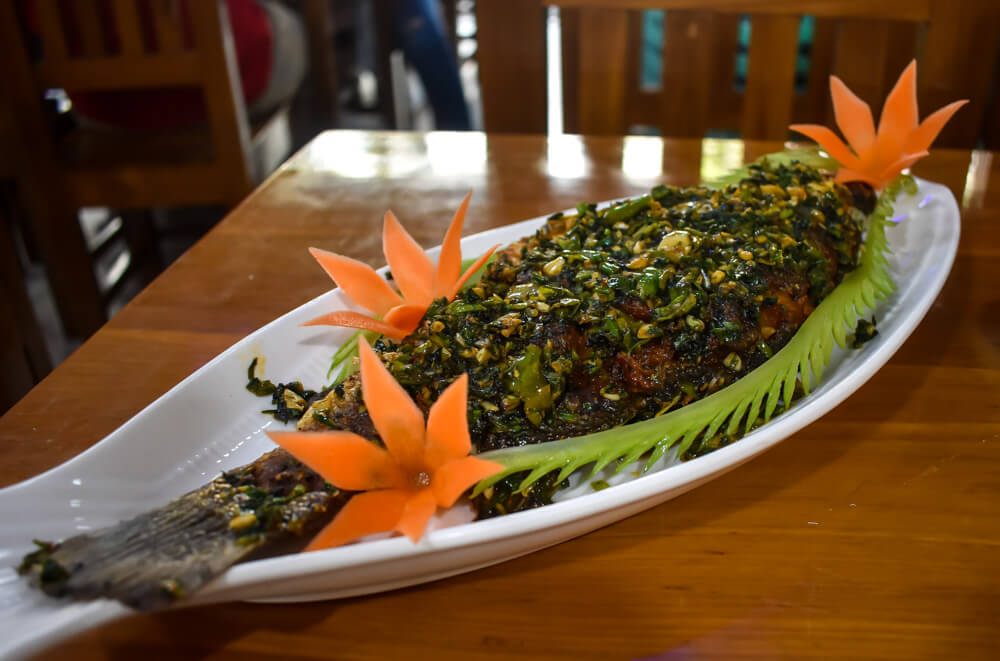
(865, 43)
(22, 347)
(136, 44)
(510, 53)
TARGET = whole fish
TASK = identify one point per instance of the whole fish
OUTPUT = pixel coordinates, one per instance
(601, 318)
(608, 317)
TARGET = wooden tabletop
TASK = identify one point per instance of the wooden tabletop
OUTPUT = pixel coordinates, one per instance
(872, 533)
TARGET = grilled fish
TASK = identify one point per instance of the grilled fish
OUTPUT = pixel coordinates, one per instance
(602, 318)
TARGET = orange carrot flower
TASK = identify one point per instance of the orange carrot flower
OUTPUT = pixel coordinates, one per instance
(419, 470)
(877, 157)
(419, 282)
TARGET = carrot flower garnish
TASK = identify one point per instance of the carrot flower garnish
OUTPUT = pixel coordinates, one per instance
(420, 468)
(878, 156)
(397, 314)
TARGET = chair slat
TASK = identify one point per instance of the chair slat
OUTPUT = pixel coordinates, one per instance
(990, 125)
(114, 73)
(859, 60)
(22, 348)
(128, 27)
(812, 105)
(569, 19)
(991, 122)
(158, 186)
(227, 113)
(904, 41)
(167, 19)
(511, 57)
(51, 27)
(601, 98)
(960, 61)
(31, 346)
(318, 18)
(642, 107)
(88, 17)
(725, 102)
(767, 105)
(687, 73)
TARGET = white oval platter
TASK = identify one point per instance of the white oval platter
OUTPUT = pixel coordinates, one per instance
(209, 422)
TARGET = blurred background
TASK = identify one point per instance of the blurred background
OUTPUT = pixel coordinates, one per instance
(130, 127)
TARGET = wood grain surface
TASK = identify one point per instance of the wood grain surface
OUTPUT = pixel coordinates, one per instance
(871, 533)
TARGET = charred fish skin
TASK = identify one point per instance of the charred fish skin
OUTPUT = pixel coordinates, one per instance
(152, 560)
(608, 317)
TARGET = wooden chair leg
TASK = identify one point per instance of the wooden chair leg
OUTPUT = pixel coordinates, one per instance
(67, 261)
(140, 234)
(18, 377)
(384, 43)
(22, 349)
(322, 64)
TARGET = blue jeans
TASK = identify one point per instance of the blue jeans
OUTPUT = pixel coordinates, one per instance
(428, 49)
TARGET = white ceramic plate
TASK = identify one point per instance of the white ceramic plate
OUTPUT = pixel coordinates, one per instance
(209, 422)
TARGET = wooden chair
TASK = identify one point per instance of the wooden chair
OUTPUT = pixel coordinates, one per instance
(213, 164)
(322, 62)
(865, 43)
(22, 347)
(511, 57)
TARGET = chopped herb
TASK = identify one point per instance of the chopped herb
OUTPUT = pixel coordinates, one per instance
(255, 385)
(727, 332)
(864, 332)
(51, 575)
(290, 400)
(612, 316)
(628, 209)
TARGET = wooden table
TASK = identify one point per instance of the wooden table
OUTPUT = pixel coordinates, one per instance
(872, 533)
